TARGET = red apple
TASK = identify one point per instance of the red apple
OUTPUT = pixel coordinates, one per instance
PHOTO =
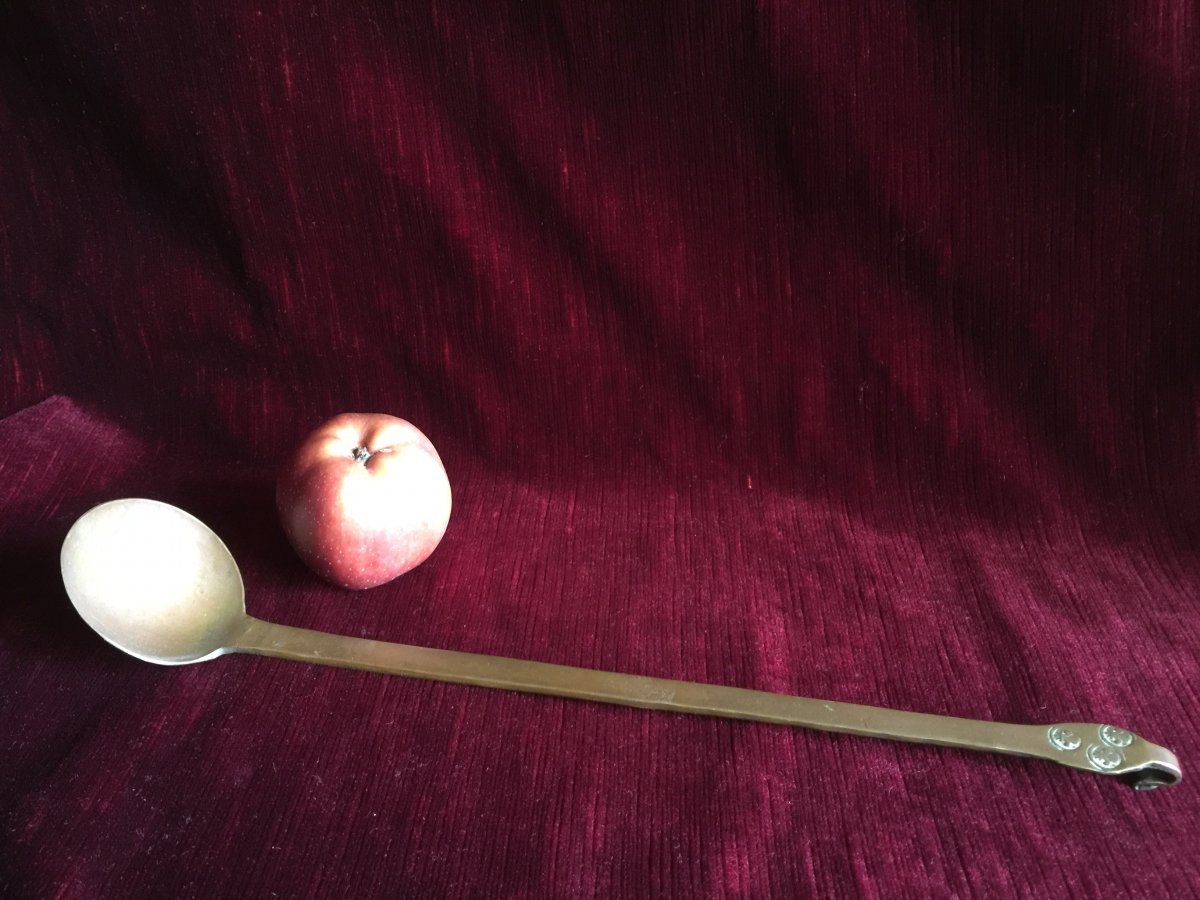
(365, 498)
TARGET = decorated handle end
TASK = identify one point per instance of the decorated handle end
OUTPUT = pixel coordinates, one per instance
(1108, 750)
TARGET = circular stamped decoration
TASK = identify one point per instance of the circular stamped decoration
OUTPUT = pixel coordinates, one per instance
(1064, 738)
(1118, 737)
(1104, 757)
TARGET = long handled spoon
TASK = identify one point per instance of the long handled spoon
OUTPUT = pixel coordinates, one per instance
(157, 583)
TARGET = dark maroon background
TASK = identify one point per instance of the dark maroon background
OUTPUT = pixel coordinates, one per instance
(843, 349)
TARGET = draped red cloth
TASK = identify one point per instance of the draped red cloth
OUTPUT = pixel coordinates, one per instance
(845, 350)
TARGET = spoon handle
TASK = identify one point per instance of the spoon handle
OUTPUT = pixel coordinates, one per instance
(1101, 749)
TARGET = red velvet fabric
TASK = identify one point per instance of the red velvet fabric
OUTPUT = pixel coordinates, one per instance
(847, 350)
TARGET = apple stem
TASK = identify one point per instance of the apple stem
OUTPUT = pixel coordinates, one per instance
(361, 454)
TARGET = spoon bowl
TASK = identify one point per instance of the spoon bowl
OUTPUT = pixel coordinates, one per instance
(154, 581)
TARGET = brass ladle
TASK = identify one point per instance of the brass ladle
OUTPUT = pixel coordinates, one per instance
(157, 583)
